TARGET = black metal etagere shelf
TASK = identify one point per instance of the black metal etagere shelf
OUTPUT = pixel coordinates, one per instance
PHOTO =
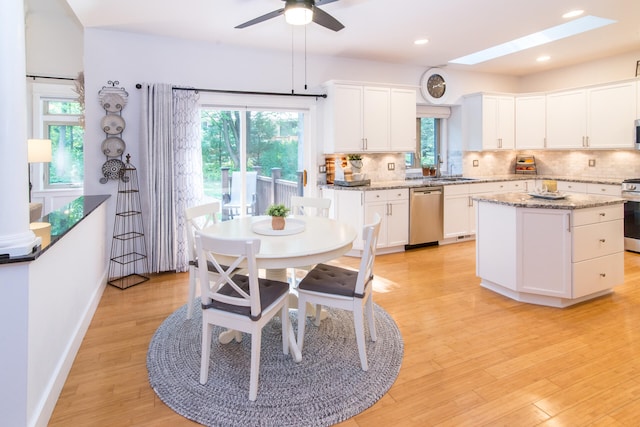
(128, 264)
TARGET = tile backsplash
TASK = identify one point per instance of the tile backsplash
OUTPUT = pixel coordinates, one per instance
(607, 163)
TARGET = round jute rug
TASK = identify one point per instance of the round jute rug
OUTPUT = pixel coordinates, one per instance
(326, 387)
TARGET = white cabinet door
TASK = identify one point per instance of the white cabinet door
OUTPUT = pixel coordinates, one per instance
(531, 122)
(544, 252)
(488, 122)
(612, 111)
(343, 119)
(350, 209)
(506, 122)
(393, 208)
(381, 209)
(375, 118)
(567, 119)
(403, 120)
(458, 211)
(398, 223)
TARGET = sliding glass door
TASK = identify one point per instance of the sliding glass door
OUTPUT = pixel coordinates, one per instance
(262, 148)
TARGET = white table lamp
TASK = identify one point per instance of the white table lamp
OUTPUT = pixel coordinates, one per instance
(38, 151)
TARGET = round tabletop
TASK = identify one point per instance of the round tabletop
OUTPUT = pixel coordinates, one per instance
(320, 240)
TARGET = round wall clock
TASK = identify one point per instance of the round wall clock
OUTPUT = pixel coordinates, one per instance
(433, 85)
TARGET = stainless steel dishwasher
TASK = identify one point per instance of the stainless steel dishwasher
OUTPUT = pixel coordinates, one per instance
(425, 215)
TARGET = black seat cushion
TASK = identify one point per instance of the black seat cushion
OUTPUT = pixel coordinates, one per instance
(270, 290)
(330, 279)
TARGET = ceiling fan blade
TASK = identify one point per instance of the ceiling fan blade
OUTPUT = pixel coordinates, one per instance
(321, 17)
(323, 2)
(262, 18)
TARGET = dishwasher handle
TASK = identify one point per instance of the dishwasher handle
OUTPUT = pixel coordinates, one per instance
(427, 191)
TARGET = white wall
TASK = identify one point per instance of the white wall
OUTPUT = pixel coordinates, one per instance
(615, 68)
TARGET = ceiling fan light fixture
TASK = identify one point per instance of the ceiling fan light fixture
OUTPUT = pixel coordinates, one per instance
(298, 14)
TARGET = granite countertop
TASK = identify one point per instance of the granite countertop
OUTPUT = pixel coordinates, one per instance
(570, 201)
(62, 221)
(437, 182)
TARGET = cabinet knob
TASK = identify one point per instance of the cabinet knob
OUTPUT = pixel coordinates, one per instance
(603, 214)
(602, 240)
(603, 275)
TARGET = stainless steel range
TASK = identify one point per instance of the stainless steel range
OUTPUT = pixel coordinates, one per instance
(631, 192)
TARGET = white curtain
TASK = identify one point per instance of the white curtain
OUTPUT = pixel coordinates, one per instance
(171, 175)
(189, 182)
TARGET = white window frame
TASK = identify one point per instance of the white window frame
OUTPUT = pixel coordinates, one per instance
(40, 121)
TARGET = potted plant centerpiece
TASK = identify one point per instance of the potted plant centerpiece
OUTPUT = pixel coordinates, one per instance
(356, 162)
(278, 214)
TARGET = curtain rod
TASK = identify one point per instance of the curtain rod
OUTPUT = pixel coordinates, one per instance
(241, 92)
(50, 77)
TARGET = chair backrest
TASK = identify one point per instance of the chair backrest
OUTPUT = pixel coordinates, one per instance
(213, 287)
(370, 234)
(198, 218)
(311, 206)
(236, 188)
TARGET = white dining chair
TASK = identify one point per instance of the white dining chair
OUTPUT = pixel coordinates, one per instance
(345, 289)
(197, 218)
(308, 206)
(317, 206)
(244, 303)
(231, 206)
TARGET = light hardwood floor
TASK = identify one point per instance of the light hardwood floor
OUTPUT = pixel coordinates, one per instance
(472, 357)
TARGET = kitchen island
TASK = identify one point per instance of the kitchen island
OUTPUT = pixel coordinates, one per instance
(553, 252)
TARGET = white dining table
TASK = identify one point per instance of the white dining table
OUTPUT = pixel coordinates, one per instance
(306, 240)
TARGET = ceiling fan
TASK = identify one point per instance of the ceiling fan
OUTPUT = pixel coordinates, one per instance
(301, 12)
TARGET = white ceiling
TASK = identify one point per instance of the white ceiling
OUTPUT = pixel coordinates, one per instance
(384, 30)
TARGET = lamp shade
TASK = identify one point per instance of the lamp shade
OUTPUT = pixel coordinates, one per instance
(39, 150)
(298, 14)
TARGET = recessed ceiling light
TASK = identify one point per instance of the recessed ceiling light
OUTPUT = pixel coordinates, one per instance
(543, 58)
(558, 32)
(421, 41)
(573, 14)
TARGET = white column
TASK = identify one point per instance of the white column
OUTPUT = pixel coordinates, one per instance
(16, 239)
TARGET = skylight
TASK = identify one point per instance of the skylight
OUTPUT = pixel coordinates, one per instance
(549, 35)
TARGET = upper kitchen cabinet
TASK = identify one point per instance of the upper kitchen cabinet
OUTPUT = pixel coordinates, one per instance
(488, 122)
(403, 120)
(530, 122)
(361, 119)
(597, 117)
(611, 116)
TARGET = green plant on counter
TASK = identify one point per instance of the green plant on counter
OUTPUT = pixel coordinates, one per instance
(277, 210)
(354, 157)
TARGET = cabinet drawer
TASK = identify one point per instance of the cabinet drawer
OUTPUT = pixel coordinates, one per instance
(489, 187)
(521, 186)
(572, 187)
(386, 195)
(397, 194)
(456, 189)
(604, 189)
(599, 214)
(375, 196)
(598, 274)
(596, 240)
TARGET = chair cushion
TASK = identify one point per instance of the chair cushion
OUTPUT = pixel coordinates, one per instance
(330, 279)
(270, 290)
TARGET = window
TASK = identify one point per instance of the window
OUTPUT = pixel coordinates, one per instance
(61, 123)
(427, 143)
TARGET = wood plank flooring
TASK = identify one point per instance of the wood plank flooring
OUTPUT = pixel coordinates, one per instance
(472, 357)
